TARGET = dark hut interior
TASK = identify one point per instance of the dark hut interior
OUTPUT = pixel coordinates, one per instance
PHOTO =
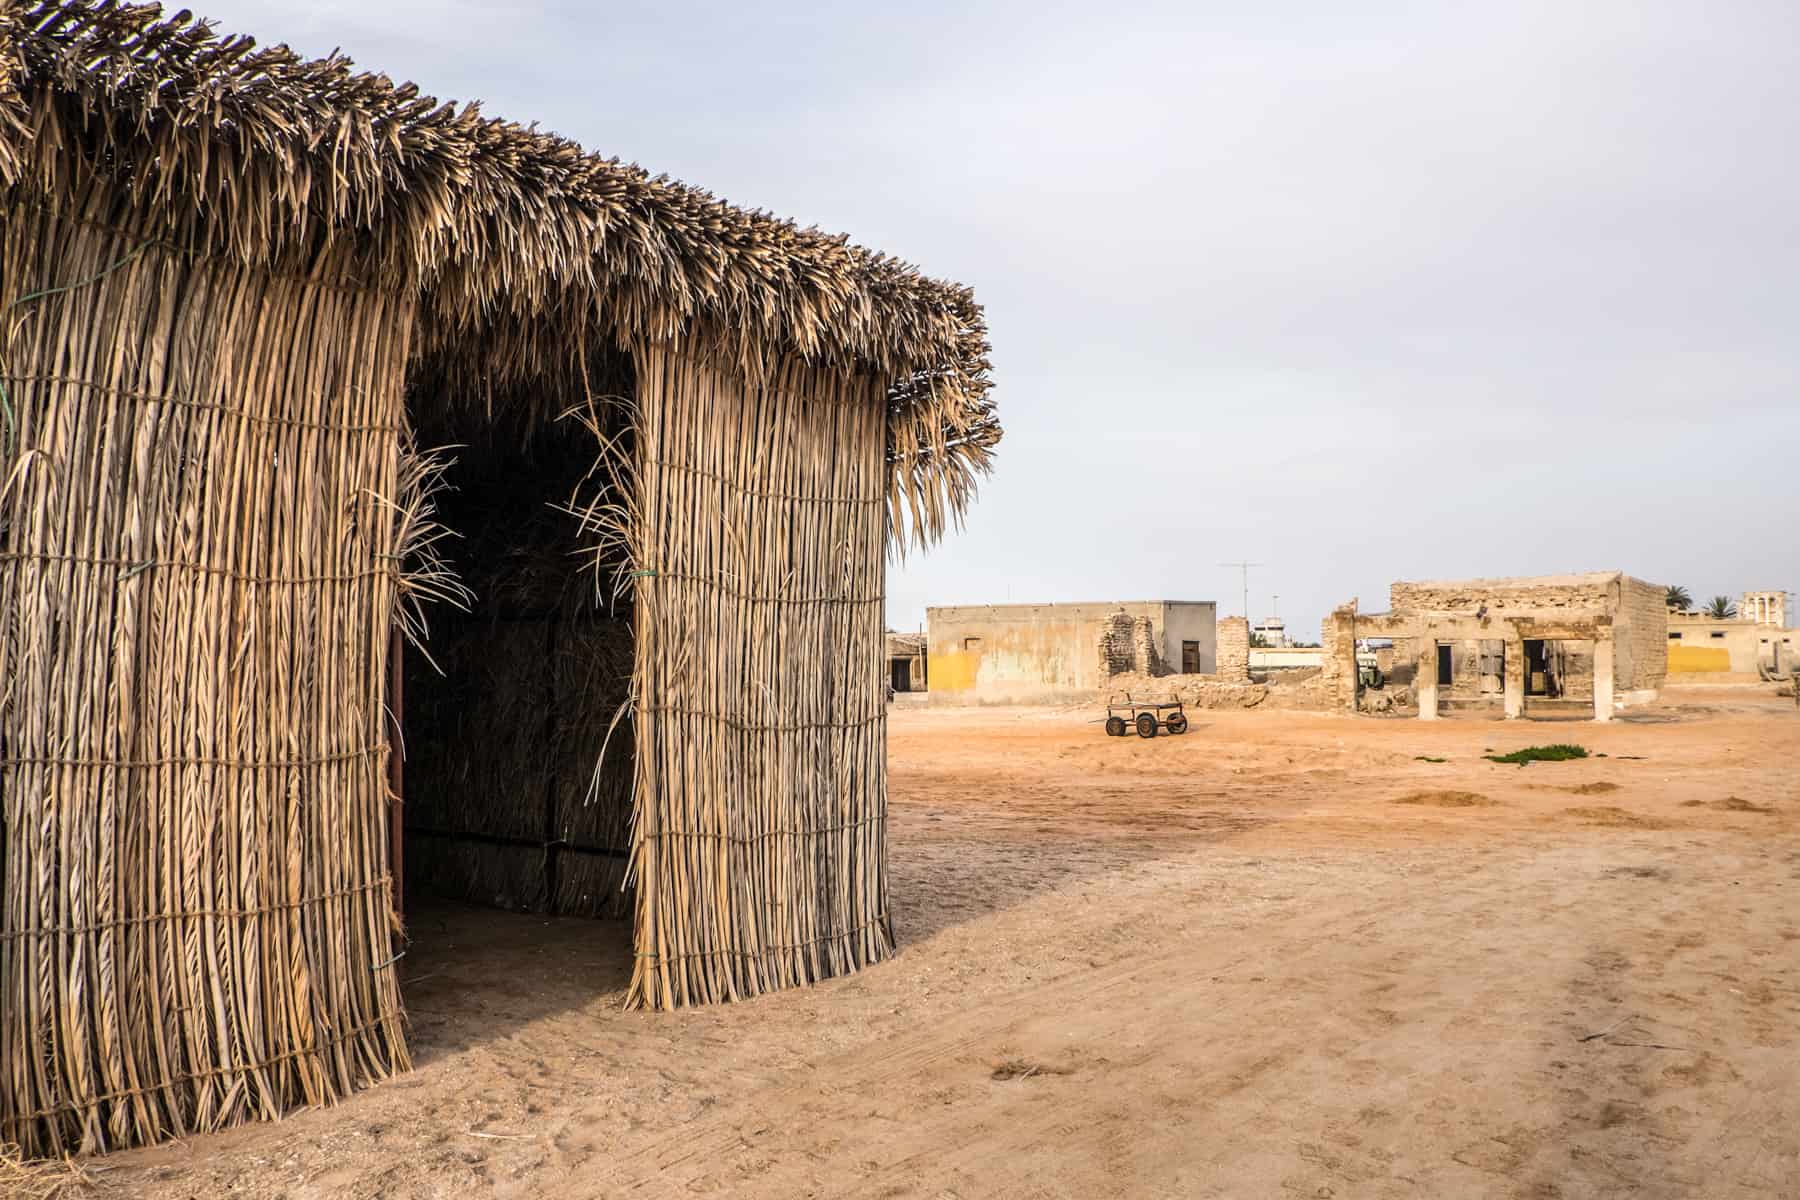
(517, 768)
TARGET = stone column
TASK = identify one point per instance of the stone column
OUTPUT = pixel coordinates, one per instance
(1603, 679)
(1425, 678)
(1513, 685)
(1233, 640)
(1337, 639)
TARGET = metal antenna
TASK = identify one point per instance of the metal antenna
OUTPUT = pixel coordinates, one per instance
(1245, 568)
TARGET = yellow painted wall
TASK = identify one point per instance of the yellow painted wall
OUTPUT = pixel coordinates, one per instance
(953, 670)
(1685, 660)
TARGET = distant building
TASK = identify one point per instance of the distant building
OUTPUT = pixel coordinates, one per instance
(1024, 652)
(1702, 650)
(1550, 643)
(906, 662)
(1764, 608)
(1272, 631)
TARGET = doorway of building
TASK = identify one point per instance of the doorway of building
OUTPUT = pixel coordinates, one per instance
(1446, 669)
(1543, 677)
(1492, 667)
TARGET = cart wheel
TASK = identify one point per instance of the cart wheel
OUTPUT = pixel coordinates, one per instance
(1146, 725)
(1115, 727)
(1177, 724)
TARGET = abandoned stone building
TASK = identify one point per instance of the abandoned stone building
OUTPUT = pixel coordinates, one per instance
(1537, 646)
(1027, 652)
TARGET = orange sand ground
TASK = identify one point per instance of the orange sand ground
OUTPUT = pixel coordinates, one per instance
(1228, 964)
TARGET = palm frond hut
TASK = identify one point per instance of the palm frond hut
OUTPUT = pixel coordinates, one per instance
(244, 294)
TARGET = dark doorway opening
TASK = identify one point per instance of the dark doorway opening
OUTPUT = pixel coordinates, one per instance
(509, 802)
(900, 674)
(1541, 675)
(1446, 672)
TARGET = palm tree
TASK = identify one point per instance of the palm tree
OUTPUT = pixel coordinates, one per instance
(1720, 608)
(1677, 599)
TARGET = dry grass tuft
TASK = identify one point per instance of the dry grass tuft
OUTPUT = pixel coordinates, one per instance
(1020, 1068)
(50, 1179)
(1661, 874)
(1448, 799)
(1599, 788)
(1608, 815)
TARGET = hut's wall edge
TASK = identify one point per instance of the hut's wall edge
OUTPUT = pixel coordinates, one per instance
(197, 580)
(759, 847)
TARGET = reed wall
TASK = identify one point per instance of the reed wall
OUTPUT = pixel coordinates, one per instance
(758, 543)
(198, 576)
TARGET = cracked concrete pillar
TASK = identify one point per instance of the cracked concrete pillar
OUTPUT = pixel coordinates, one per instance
(1425, 678)
(1513, 680)
(1603, 679)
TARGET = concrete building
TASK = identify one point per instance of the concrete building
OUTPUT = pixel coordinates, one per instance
(1271, 631)
(1546, 644)
(1285, 658)
(1027, 652)
(906, 662)
(1702, 650)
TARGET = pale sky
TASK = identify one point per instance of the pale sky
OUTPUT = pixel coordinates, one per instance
(1360, 292)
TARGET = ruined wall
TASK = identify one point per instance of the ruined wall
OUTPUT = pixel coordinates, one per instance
(1146, 656)
(1127, 645)
(1234, 649)
(1337, 652)
(1640, 637)
(1573, 593)
(1115, 645)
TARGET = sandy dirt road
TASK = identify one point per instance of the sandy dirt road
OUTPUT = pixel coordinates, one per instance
(1283, 955)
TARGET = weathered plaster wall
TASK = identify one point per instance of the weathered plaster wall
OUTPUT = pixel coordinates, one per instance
(1191, 621)
(1027, 652)
(1698, 646)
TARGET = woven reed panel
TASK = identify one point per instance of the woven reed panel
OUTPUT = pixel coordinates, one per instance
(759, 848)
(197, 581)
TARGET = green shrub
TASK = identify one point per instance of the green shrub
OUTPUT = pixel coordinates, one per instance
(1560, 752)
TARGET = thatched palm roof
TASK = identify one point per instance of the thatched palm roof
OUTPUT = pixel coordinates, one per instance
(519, 244)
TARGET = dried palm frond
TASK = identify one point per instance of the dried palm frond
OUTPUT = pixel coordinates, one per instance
(525, 249)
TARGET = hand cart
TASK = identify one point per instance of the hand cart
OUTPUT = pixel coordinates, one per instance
(1123, 714)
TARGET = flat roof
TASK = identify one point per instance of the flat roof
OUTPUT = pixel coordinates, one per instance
(1568, 580)
(1057, 604)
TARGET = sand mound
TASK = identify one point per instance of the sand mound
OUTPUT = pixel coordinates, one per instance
(1730, 804)
(1448, 799)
